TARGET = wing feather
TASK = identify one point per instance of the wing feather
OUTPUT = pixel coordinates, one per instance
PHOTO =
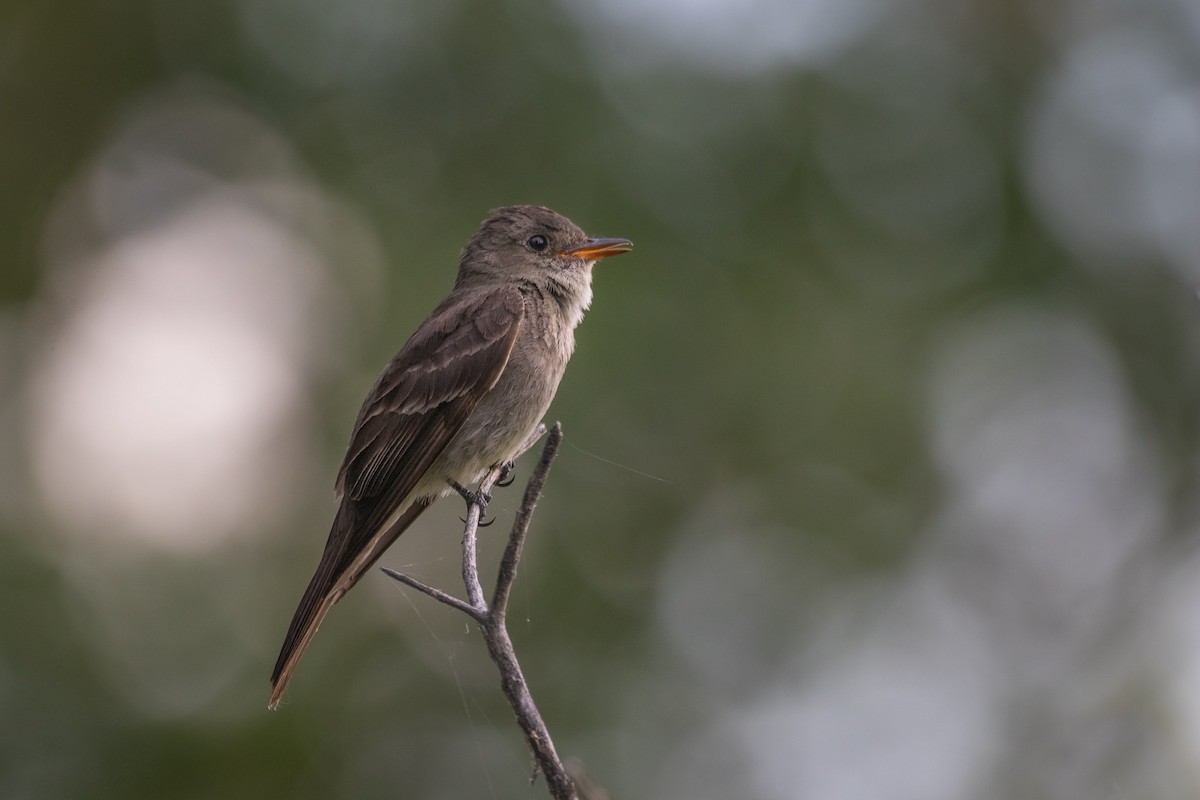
(416, 407)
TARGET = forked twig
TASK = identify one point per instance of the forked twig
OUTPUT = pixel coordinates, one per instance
(491, 618)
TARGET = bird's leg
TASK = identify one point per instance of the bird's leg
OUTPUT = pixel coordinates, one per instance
(471, 496)
(507, 474)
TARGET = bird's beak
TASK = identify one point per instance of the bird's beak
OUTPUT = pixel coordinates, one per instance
(596, 249)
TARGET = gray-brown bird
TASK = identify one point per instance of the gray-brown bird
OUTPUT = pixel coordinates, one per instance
(463, 393)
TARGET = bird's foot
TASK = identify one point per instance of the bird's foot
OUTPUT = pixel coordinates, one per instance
(508, 472)
(471, 496)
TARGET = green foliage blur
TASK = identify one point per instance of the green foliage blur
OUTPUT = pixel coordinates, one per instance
(881, 451)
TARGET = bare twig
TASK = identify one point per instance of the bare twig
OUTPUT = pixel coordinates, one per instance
(516, 539)
(492, 618)
(437, 594)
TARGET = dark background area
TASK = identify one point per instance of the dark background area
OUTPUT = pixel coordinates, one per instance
(881, 457)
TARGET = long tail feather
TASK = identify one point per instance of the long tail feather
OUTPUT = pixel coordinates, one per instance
(326, 588)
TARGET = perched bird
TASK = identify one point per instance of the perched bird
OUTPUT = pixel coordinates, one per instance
(461, 396)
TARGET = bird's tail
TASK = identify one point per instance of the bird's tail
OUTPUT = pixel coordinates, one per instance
(326, 588)
(304, 624)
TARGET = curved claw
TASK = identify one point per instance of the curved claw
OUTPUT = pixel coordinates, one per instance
(507, 474)
(487, 524)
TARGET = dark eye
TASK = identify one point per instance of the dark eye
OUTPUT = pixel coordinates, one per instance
(538, 243)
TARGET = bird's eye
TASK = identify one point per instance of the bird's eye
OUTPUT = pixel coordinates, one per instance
(538, 243)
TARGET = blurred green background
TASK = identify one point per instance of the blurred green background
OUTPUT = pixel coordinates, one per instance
(881, 459)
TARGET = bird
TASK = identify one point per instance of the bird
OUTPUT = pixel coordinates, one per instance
(458, 399)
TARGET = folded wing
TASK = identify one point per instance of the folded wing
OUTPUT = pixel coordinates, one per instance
(416, 407)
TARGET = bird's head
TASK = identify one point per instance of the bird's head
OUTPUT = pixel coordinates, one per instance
(538, 245)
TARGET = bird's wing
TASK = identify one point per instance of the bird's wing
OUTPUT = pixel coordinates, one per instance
(415, 408)
(427, 392)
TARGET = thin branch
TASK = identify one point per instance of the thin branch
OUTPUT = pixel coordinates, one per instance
(470, 562)
(492, 619)
(512, 682)
(476, 505)
(437, 594)
(516, 539)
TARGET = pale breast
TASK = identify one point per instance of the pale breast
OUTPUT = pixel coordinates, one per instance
(508, 413)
